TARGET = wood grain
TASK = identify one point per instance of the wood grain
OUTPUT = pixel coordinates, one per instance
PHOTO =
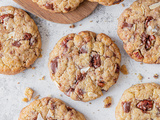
(85, 9)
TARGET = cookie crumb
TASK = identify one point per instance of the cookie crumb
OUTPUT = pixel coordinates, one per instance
(29, 93)
(123, 5)
(140, 77)
(60, 95)
(72, 26)
(80, 25)
(90, 103)
(33, 68)
(25, 99)
(91, 21)
(18, 82)
(107, 102)
(124, 69)
(156, 76)
(42, 78)
(36, 97)
(141, 63)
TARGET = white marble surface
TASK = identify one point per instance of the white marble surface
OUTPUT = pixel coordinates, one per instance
(104, 20)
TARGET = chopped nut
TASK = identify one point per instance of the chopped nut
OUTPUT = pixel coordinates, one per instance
(72, 26)
(153, 6)
(42, 78)
(25, 99)
(80, 25)
(91, 21)
(90, 103)
(123, 5)
(124, 69)
(60, 95)
(140, 77)
(36, 97)
(29, 93)
(40, 56)
(107, 102)
(156, 76)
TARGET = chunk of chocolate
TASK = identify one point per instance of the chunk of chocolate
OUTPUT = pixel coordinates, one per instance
(148, 19)
(49, 6)
(67, 9)
(54, 65)
(126, 106)
(117, 68)
(125, 24)
(27, 36)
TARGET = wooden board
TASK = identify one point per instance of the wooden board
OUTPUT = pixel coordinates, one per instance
(85, 9)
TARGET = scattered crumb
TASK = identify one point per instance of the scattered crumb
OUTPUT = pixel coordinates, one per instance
(25, 99)
(156, 76)
(93, 112)
(29, 93)
(42, 78)
(98, 110)
(107, 102)
(36, 97)
(123, 5)
(140, 77)
(33, 68)
(141, 63)
(40, 56)
(18, 82)
(148, 77)
(124, 69)
(135, 73)
(32, 75)
(80, 25)
(60, 95)
(49, 95)
(91, 21)
(72, 26)
(90, 103)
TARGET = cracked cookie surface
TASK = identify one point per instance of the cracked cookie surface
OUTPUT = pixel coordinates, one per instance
(49, 109)
(107, 2)
(63, 6)
(83, 65)
(140, 102)
(139, 28)
(20, 41)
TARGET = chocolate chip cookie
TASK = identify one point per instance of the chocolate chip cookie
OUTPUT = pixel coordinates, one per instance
(140, 102)
(139, 28)
(63, 6)
(107, 2)
(49, 109)
(20, 41)
(83, 65)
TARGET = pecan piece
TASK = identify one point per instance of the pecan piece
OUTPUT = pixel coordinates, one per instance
(69, 91)
(80, 92)
(80, 77)
(95, 61)
(49, 6)
(145, 105)
(148, 19)
(126, 106)
(27, 36)
(4, 16)
(16, 43)
(138, 54)
(101, 83)
(125, 24)
(117, 1)
(67, 9)
(54, 65)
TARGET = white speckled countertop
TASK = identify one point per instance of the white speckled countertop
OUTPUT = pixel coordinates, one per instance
(104, 20)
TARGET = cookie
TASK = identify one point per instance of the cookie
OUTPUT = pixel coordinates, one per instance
(107, 2)
(83, 65)
(49, 109)
(55, 6)
(139, 29)
(140, 102)
(20, 41)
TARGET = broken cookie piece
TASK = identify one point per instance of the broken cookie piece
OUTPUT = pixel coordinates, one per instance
(107, 102)
(29, 93)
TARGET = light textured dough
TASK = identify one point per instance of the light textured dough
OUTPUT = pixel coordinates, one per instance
(20, 41)
(107, 2)
(84, 65)
(139, 28)
(140, 102)
(63, 6)
(49, 109)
